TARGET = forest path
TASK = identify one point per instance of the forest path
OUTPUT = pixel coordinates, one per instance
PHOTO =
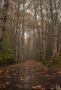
(30, 75)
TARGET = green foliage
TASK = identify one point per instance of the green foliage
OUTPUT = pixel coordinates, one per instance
(58, 61)
(1, 12)
(50, 65)
(6, 52)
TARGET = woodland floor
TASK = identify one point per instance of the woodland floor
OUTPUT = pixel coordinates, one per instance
(30, 75)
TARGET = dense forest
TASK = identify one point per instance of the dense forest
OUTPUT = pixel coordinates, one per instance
(30, 44)
(30, 30)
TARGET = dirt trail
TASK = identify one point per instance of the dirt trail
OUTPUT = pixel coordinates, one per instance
(30, 75)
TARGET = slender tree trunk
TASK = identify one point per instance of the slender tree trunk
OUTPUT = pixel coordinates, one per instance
(23, 29)
(17, 33)
(42, 40)
(36, 26)
(52, 31)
